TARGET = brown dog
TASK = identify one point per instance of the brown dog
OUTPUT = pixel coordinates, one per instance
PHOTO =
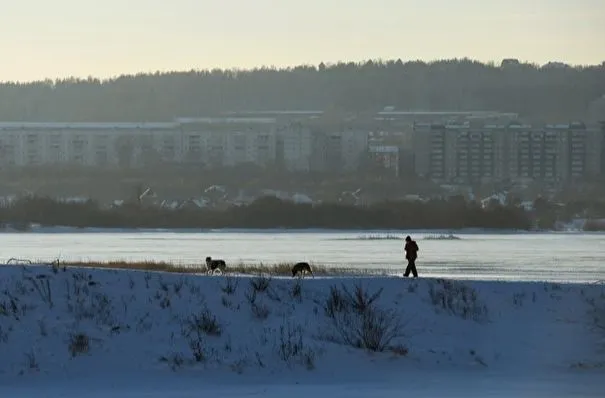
(301, 268)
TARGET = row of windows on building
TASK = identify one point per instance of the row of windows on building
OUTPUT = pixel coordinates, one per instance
(550, 153)
(456, 153)
(299, 147)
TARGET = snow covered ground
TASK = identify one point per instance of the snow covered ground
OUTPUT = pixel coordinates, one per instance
(91, 332)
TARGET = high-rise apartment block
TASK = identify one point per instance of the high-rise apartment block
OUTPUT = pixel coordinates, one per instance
(465, 153)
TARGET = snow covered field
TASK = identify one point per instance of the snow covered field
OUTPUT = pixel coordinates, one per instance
(90, 332)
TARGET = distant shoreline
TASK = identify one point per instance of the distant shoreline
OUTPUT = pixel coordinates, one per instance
(34, 228)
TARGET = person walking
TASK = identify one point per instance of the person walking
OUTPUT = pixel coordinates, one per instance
(411, 253)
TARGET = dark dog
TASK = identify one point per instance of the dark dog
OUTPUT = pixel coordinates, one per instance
(214, 265)
(301, 268)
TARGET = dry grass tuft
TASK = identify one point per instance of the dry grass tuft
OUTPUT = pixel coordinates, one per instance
(158, 266)
(278, 269)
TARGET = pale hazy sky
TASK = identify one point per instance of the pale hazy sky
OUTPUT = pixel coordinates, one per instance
(60, 38)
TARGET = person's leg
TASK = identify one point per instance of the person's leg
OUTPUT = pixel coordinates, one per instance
(412, 267)
(407, 269)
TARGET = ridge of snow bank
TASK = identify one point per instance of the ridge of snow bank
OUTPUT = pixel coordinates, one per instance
(93, 324)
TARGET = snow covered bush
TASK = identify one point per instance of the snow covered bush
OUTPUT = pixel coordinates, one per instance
(457, 299)
(260, 283)
(79, 343)
(196, 328)
(358, 322)
(230, 285)
(204, 323)
(84, 303)
(260, 311)
(42, 285)
(291, 347)
(597, 311)
(296, 292)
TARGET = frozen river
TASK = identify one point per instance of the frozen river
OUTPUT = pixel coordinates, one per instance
(524, 256)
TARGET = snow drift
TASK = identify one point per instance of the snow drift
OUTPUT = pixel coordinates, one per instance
(97, 328)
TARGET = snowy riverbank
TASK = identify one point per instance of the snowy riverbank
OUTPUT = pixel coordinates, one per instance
(138, 333)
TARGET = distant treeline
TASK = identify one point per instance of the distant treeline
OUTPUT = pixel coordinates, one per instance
(546, 214)
(543, 93)
(270, 212)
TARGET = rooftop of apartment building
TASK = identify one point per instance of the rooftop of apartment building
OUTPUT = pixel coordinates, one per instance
(387, 111)
(225, 120)
(176, 124)
(388, 116)
(86, 125)
(511, 126)
(446, 113)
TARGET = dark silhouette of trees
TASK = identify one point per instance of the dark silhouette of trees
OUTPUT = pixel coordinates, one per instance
(269, 212)
(540, 93)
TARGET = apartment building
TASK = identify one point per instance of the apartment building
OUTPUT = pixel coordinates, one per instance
(213, 142)
(219, 142)
(385, 157)
(298, 144)
(435, 151)
(322, 148)
(339, 150)
(554, 153)
(344, 149)
(481, 154)
(223, 141)
(86, 144)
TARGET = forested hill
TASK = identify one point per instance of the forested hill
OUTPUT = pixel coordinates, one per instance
(538, 93)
